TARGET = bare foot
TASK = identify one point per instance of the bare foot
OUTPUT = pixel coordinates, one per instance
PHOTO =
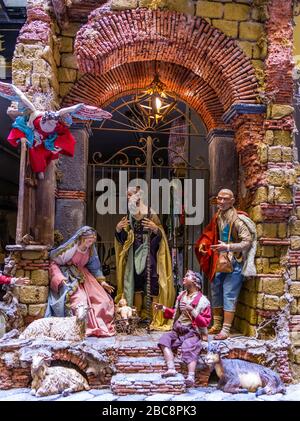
(190, 381)
(221, 336)
(214, 329)
(169, 373)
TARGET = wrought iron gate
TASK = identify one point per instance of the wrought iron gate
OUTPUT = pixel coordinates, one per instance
(139, 163)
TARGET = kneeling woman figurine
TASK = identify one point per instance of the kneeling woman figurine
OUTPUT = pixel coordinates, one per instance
(77, 278)
(191, 317)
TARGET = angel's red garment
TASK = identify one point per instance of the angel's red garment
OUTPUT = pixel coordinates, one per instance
(41, 149)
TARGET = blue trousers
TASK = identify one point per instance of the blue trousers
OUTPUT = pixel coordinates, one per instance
(225, 288)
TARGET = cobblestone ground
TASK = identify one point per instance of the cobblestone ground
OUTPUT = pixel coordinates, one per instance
(198, 394)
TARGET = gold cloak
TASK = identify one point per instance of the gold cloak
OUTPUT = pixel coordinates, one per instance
(164, 270)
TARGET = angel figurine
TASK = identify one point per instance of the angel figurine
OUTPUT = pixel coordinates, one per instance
(46, 133)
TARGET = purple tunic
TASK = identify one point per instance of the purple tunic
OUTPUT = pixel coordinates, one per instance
(185, 337)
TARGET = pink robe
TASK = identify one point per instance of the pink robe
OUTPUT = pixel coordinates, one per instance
(101, 314)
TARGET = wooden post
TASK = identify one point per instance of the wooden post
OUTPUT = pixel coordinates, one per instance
(45, 207)
(21, 204)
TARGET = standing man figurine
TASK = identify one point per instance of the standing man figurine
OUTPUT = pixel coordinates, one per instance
(131, 259)
(226, 251)
(191, 317)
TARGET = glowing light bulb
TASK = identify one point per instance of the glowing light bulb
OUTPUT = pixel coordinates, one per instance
(158, 103)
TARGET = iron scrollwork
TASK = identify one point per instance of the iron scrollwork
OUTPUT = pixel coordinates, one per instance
(121, 157)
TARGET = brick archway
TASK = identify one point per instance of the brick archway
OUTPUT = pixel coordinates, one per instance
(128, 78)
(108, 41)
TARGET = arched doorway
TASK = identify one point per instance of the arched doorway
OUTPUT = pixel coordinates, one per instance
(120, 147)
(197, 62)
(202, 66)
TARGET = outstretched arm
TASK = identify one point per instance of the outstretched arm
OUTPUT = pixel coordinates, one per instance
(168, 312)
(8, 280)
(5, 280)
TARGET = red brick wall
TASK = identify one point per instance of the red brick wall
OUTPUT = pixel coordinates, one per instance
(111, 40)
(279, 62)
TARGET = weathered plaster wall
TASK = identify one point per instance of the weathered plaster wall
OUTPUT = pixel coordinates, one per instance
(36, 56)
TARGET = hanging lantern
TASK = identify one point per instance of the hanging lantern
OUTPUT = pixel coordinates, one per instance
(155, 103)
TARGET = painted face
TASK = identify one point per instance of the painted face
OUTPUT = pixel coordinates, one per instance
(224, 200)
(134, 201)
(188, 279)
(129, 194)
(122, 302)
(48, 126)
(10, 266)
(88, 241)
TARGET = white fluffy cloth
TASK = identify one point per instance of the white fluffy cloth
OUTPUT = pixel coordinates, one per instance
(249, 268)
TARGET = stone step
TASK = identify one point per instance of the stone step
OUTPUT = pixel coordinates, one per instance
(142, 364)
(146, 384)
(158, 365)
(147, 351)
(139, 351)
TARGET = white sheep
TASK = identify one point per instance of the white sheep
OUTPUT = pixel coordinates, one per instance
(53, 380)
(59, 328)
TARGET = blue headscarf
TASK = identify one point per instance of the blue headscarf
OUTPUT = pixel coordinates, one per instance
(58, 302)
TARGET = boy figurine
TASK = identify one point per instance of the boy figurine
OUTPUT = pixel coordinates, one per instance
(191, 317)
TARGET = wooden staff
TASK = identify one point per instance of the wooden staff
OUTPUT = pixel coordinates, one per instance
(148, 179)
(21, 202)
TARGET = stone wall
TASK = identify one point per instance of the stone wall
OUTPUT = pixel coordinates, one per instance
(56, 69)
(240, 19)
(67, 67)
(31, 262)
(36, 56)
(272, 198)
(95, 363)
(130, 365)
